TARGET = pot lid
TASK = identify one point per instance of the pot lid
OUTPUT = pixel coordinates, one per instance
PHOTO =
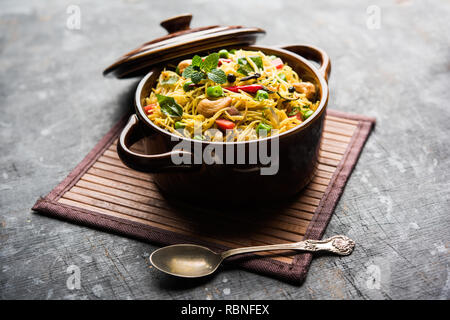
(181, 41)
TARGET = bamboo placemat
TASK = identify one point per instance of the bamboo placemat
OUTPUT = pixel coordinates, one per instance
(102, 192)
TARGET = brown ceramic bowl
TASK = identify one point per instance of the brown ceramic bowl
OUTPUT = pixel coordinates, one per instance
(236, 183)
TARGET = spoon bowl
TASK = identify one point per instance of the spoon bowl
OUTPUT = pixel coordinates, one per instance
(194, 261)
(186, 260)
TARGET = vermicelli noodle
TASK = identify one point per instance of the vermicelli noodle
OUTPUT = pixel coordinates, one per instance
(260, 94)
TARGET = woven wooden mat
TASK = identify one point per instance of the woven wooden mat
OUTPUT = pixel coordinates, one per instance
(102, 192)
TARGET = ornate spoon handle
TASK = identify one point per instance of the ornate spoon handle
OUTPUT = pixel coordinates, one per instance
(340, 245)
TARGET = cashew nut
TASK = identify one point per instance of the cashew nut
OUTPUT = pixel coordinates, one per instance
(307, 88)
(183, 64)
(208, 107)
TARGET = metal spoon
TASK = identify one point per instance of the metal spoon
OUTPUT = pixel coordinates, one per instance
(193, 261)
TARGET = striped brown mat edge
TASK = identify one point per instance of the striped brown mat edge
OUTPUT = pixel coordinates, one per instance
(294, 272)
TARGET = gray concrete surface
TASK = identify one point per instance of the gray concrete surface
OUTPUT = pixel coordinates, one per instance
(55, 105)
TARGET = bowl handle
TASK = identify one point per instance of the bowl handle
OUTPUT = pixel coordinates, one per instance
(145, 162)
(315, 54)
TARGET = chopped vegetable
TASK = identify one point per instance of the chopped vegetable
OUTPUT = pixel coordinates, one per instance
(282, 76)
(179, 125)
(261, 95)
(258, 61)
(224, 124)
(169, 106)
(291, 89)
(214, 92)
(149, 109)
(307, 114)
(222, 61)
(233, 51)
(251, 88)
(245, 67)
(188, 86)
(223, 54)
(278, 63)
(263, 126)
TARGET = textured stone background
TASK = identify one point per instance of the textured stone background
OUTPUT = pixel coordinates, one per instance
(55, 105)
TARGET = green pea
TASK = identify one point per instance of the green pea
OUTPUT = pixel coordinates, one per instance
(188, 86)
(214, 92)
(179, 125)
(263, 126)
(261, 95)
(307, 114)
(282, 76)
(223, 54)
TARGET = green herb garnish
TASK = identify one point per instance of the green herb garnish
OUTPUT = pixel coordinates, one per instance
(188, 86)
(245, 67)
(169, 106)
(203, 69)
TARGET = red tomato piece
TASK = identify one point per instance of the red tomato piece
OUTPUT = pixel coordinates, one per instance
(278, 63)
(298, 115)
(251, 88)
(225, 124)
(221, 60)
(149, 109)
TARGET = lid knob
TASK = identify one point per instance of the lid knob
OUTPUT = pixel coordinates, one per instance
(177, 23)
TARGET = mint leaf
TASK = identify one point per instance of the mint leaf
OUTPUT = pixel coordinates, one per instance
(187, 73)
(245, 69)
(217, 75)
(197, 61)
(194, 75)
(210, 62)
(258, 61)
(197, 76)
(169, 106)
